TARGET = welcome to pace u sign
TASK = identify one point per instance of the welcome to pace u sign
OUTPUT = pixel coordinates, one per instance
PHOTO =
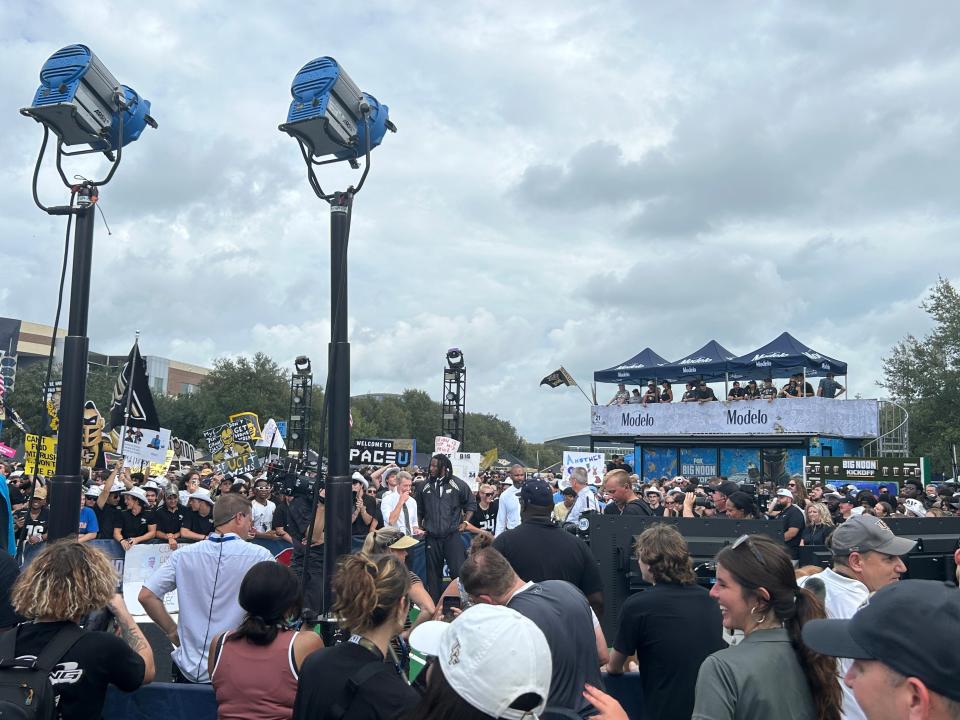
(806, 416)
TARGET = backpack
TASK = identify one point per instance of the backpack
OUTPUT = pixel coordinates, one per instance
(26, 692)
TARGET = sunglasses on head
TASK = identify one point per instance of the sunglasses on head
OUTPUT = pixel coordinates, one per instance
(745, 540)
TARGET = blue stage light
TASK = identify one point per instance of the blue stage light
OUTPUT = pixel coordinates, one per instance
(84, 104)
(331, 115)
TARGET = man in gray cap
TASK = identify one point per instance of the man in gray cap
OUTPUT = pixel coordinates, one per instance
(892, 672)
(866, 557)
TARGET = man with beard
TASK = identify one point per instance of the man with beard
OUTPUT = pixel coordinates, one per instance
(444, 503)
(793, 522)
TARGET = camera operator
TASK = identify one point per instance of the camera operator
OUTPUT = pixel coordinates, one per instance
(65, 582)
(298, 521)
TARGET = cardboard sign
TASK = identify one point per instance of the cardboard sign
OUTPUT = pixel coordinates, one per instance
(160, 468)
(42, 463)
(466, 466)
(144, 445)
(445, 445)
(139, 564)
(594, 463)
(230, 447)
(253, 423)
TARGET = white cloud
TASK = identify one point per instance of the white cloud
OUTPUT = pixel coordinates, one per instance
(569, 184)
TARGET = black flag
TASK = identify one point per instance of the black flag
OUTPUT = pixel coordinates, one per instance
(558, 378)
(143, 413)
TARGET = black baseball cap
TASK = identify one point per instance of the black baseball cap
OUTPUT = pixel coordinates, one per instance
(930, 656)
(728, 488)
(536, 492)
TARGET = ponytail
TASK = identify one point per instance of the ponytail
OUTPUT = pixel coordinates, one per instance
(820, 670)
(369, 590)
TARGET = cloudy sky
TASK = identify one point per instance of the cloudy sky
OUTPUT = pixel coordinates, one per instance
(571, 182)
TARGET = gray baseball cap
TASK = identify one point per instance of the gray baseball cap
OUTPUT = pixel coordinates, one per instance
(864, 533)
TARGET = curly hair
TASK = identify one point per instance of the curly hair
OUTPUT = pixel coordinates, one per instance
(65, 581)
(664, 550)
(369, 590)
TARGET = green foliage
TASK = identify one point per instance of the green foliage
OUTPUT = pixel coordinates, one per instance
(924, 376)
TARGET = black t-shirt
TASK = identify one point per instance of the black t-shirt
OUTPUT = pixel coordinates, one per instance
(108, 518)
(672, 628)
(768, 391)
(829, 388)
(16, 497)
(360, 527)
(540, 551)
(705, 394)
(563, 615)
(751, 392)
(815, 534)
(791, 389)
(31, 525)
(169, 521)
(132, 526)
(792, 517)
(279, 516)
(203, 525)
(323, 683)
(80, 679)
(486, 519)
(689, 395)
(737, 392)
(634, 507)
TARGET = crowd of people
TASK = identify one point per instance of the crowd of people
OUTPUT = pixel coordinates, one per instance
(699, 391)
(493, 590)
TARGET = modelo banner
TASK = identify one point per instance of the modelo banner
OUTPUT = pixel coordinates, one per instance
(805, 416)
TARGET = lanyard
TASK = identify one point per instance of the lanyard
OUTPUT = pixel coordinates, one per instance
(221, 539)
(367, 645)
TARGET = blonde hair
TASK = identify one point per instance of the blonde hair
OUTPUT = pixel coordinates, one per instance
(379, 541)
(824, 511)
(65, 581)
(369, 590)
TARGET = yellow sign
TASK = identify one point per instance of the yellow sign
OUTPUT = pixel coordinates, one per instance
(252, 421)
(158, 469)
(43, 464)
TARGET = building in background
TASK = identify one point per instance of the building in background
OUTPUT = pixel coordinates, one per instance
(30, 343)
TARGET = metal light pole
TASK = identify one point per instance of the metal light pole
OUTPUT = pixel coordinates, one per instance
(82, 103)
(330, 116)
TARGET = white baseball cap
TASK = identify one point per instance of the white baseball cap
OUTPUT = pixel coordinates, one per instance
(485, 671)
(914, 507)
(783, 492)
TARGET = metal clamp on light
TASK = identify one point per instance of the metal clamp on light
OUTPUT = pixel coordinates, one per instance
(330, 116)
(82, 103)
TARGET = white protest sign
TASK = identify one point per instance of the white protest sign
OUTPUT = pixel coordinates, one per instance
(144, 445)
(270, 436)
(466, 466)
(593, 463)
(139, 564)
(445, 445)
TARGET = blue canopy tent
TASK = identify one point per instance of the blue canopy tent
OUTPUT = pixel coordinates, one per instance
(710, 363)
(641, 368)
(784, 356)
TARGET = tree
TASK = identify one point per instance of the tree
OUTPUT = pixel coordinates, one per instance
(924, 376)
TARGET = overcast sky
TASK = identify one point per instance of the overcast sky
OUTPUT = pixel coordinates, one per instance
(570, 183)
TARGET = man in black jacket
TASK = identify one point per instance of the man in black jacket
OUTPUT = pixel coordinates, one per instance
(445, 504)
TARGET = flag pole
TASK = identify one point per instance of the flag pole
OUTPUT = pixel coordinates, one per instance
(126, 409)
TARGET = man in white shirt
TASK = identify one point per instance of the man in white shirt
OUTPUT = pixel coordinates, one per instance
(207, 576)
(508, 514)
(866, 557)
(586, 498)
(398, 507)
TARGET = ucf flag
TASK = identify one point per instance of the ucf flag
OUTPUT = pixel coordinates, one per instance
(132, 387)
(558, 378)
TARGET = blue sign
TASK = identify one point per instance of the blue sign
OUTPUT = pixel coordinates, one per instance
(282, 428)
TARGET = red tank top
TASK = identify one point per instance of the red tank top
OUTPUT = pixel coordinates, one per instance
(256, 682)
